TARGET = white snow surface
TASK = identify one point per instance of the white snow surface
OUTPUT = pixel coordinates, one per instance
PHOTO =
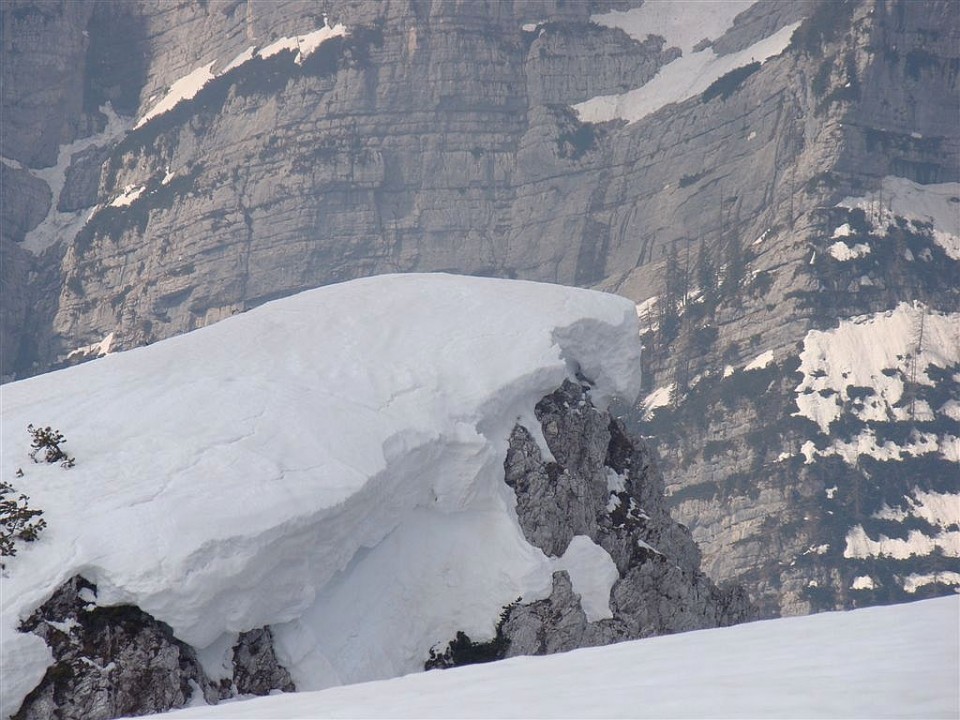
(898, 661)
(592, 573)
(842, 252)
(914, 582)
(760, 362)
(129, 195)
(860, 545)
(661, 397)
(305, 45)
(865, 443)
(938, 204)
(858, 351)
(97, 349)
(939, 509)
(330, 464)
(183, 89)
(863, 582)
(843, 231)
(647, 313)
(683, 25)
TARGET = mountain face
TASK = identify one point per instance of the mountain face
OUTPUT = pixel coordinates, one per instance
(317, 498)
(774, 184)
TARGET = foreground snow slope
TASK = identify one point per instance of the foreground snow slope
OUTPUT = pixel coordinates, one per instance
(896, 662)
(330, 464)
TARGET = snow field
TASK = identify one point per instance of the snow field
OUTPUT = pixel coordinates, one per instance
(897, 661)
(320, 464)
(858, 351)
(683, 25)
(941, 510)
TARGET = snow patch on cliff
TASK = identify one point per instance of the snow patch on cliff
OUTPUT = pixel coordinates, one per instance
(760, 362)
(682, 25)
(861, 545)
(316, 464)
(185, 88)
(942, 510)
(876, 352)
(63, 226)
(303, 45)
(914, 582)
(661, 397)
(938, 204)
(863, 582)
(865, 443)
(97, 349)
(842, 252)
(682, 79)
(130, 194)
(193, 82)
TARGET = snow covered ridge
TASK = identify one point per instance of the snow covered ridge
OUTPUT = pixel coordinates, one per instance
(316, 465)
(193, 82)
(898, 661)
(683, 25)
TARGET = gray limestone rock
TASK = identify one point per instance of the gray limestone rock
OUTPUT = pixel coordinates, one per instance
(82, 184)
(119, 661)
(557, 624)
(109, 662)
(24, 202)
(256, 670)
(604, 484)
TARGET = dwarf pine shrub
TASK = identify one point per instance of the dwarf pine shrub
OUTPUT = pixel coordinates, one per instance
(48, 441)
(18, 521)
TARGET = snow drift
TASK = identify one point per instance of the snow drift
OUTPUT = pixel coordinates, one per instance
(883, 662)
(330, 464)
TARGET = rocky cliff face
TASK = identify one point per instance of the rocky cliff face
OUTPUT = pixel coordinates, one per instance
(781, 392)
(442, 136)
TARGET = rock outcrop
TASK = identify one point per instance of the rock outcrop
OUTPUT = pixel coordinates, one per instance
(603, 485)
(119, 661)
